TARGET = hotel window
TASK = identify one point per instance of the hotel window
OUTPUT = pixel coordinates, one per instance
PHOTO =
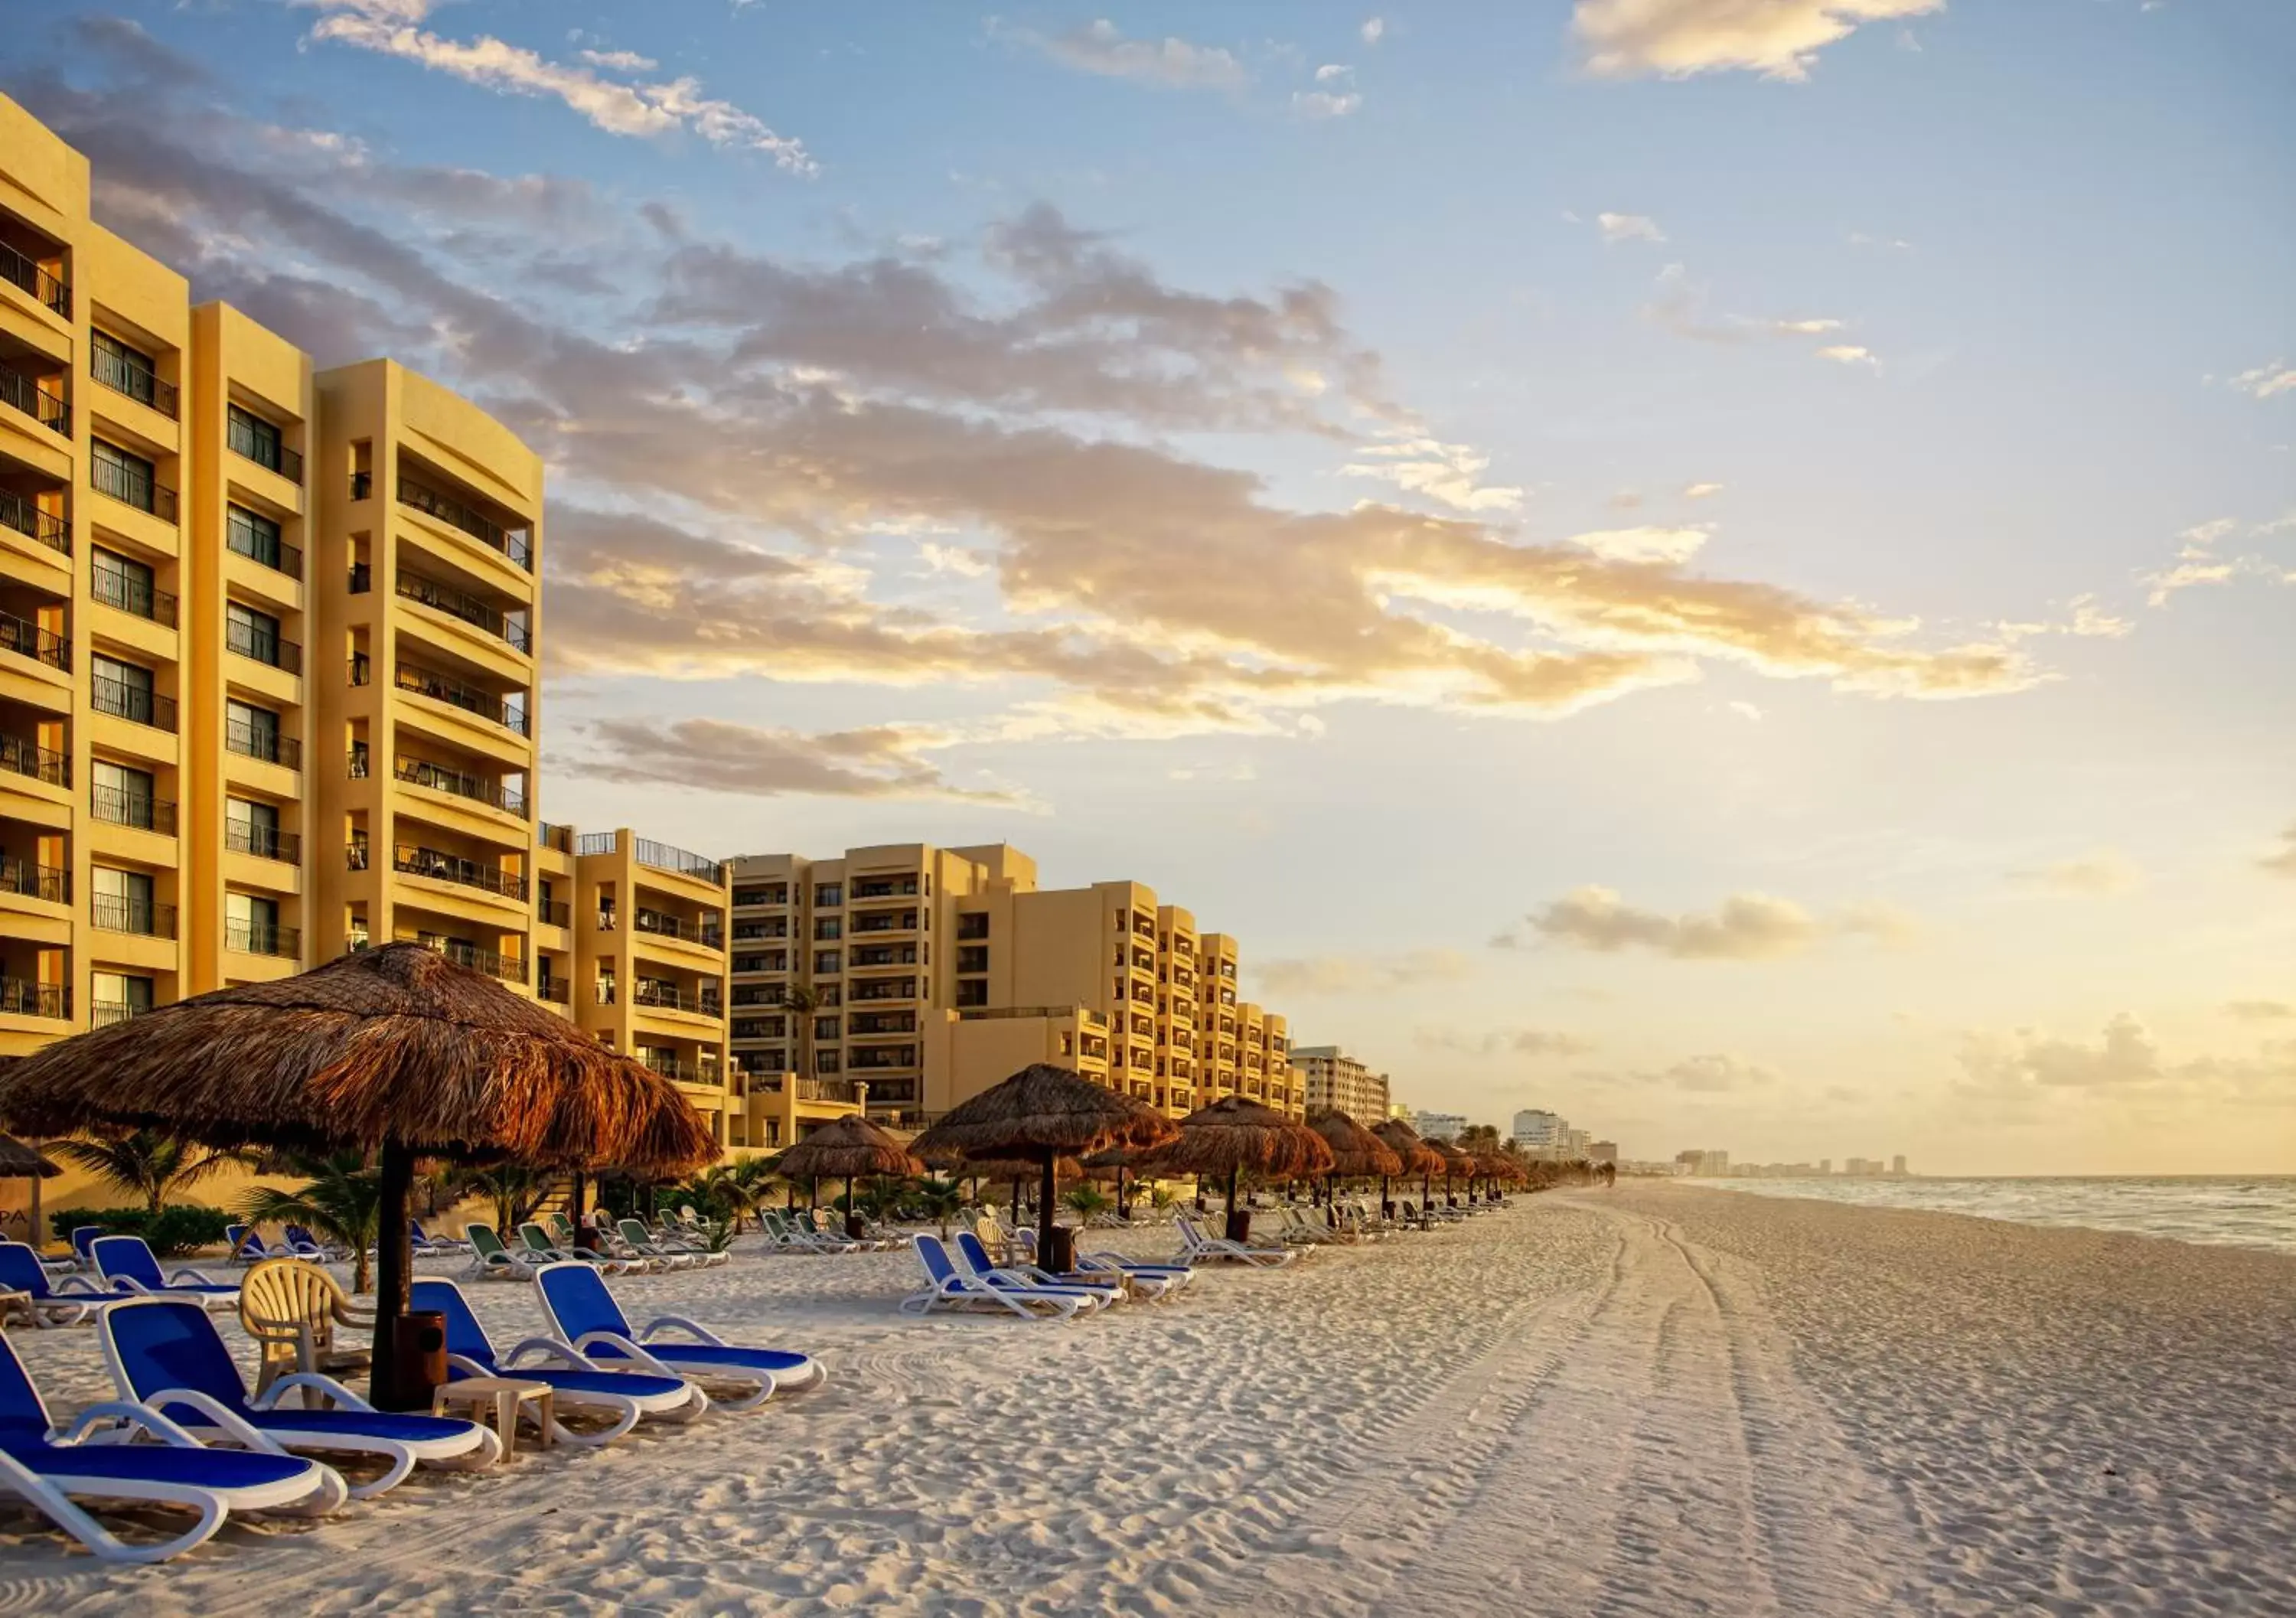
(973, 923)
(251, 828)
(972, 957)
(129, 479)
(251, 731)
(252, 633)
(829, 894)
(124, 796)
(121, 689)
(826, 927)
(826, 1061)
(121, 901)
(826, 961)
(254, 536)
(122, 582)
(824, 1028)
(972, 991)
(258, 440)
(119, 995)
(251, 923)
(123, 369)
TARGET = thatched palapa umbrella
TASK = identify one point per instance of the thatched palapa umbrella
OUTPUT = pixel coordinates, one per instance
(21, 1162)
(1457, 1164)
(846, 1150)
(1117, 1159)
(1045, 1112)
(1357, 1153)
(1234, 1135)
(1418, 1158)
(395, 1051)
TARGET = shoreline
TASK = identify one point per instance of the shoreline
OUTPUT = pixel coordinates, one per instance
(1651, 1401)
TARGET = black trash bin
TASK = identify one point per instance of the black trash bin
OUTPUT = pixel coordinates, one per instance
(419, 1341)
(1060, 1254)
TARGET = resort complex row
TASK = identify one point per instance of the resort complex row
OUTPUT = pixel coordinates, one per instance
(269, 651)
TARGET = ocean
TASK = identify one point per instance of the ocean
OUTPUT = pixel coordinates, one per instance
(2235, 1210)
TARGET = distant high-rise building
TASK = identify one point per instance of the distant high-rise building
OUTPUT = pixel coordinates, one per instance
(1602, 1152)
(1334, 1078)
(1536, 1129)
(1897, 1163)
(1825, 1165)
(1438, 1126)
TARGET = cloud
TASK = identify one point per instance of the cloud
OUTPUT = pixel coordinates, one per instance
(1701, 492)
(2266, 380)
(1805, 328)
(709, 755)
(1332, 976)
(1849, 354)
(620, 61)
(1628, 227)
(1660, 545)
(1171, 63)
(2284, 862)
(1748, 711)
(1679, 305)
(2099, 874)
(1326, 104)
(1373, 29)
(2020, 1077)
(389, 27)
(1745, 927)
(1334, 72)
(2260, 1010)
(1504, 1041)
(1677, 39)
(2199, 562)
(1447, 473)
(1716, 1073)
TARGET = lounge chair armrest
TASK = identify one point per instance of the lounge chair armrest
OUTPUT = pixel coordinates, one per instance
(77, 1286)
(565, 1356)
(629, 1350)
(133, 1417)
(317, 1382)
(237, 1427)
(199, 1277)
(701, 1335)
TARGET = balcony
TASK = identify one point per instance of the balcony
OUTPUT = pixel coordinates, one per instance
(28, 639)
(881, 1022)
(461, 604)
(20, 998)
(886, 954)
(262, 938)
(415, 860)
(554, 913)
(884, 887)
(20, 756)
(890, 920)
(444, 688)
(878, 1058)
(130, 486)
(140, 810)
(509, 968)
(263, 841)
(514, 543)
(26, 880)
(262, 545)
(264, 742)
(884, 989)
(557, 838)
(263, 645)
(258, 441)
(558, 991)
(668, 997)
(133, 703)
(139, 917)
(51, 291)
(137, 380)
(439, 778)
(681, 1070)
(29, 520)
(761, 932)
(103, 1013)
(24, 393)
(663, 925)
(119, 589)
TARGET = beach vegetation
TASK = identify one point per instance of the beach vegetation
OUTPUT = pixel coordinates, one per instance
(147, 1163)
(173, 1231)
(340, 1199)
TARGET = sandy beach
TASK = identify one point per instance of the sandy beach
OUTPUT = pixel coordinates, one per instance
(1652, 1400)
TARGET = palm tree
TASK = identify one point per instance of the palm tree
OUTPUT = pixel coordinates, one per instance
(515, 1190)
(939, 1199)
(746, 1183)
(1088, 1200)
(341, 1200)
(800, 1002)
(147, 1163)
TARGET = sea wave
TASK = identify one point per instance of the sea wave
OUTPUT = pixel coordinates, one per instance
(2249, 1211)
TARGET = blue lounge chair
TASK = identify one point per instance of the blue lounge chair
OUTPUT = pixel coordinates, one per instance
(1101, 1295)
(428, 1246)
(166, 1352)
(594, 1326)
(1151, 1279)
(60, 1300)
(83, 1245)
(124, 1264)
(249, 1248)
(47, 1466)
(950, 1288)
(575, 1382)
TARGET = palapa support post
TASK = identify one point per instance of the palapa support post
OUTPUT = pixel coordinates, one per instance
(394, 1272)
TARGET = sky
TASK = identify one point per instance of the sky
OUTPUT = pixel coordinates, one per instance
(1722, 567)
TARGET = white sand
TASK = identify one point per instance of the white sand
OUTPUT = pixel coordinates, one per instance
(1648, 1401)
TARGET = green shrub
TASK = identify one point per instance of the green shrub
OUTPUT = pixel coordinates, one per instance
(176, 1229)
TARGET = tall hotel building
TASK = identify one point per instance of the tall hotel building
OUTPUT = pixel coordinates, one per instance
(928, 973)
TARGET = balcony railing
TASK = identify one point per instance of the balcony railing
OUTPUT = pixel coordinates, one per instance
(267, 451)
(103, 1013)
(463, 605)
(24, 758)
(362, 485)
(29, 880)
(20, 998)
(135, 379)
(671, 926)
(29, 520)
(558, 837)
(558, 991)
(884, 888)
(439, 778)
(28, 395)
(265, 743)
(118, 588)
(671, 998)
(140, 916)
(681, 1070)
(140, 810)
(354, 853)
(509, 968)
(554, 913)
(515, 542)
(50, 289)
(443, 688)
(123, 701)
(264, 645)
(876, 1058)
(130, 486)
(262, 938)
(27, 640)
(263, 545)
(415, 860)
(263, 841)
